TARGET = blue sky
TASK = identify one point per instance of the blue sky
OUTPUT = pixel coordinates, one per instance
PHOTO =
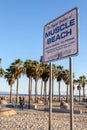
(21, 32)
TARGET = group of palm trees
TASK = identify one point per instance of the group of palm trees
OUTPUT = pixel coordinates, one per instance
(38, 70)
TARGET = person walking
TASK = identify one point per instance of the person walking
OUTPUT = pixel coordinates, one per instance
(21, 101)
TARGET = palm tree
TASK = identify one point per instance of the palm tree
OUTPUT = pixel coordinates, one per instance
(10, 79)
(66, 78)
(17, 70)
(29, 73)
(45, 77)
(79, 89)
(78, 83)
(41, 60)
(83, 83)
(37, 71)
(54, 74)
(59, 76)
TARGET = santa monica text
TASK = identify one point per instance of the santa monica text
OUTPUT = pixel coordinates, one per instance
(60, 32)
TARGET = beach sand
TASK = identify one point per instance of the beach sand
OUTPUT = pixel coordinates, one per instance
(39, 120)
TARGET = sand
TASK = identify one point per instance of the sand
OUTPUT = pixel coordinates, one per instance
(39, 120)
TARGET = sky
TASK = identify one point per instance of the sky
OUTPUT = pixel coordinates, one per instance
(21, 33)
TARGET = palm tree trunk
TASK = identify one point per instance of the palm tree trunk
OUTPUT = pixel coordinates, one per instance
(17, 91)
(59, 91)
(10, 94)
(45, 92)
(67, 94)
(83, 92)
(29, 92)
(52, 89)
(30, 88)
(41, 87)
(79, 95)
(36, 90)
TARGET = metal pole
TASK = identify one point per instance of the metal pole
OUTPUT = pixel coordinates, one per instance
(71, 96)
(50, 97)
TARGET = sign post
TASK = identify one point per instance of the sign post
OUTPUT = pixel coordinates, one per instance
(50, 97)
(61, 41)
(71, 96)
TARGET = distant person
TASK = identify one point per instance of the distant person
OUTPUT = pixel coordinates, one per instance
(21, 101)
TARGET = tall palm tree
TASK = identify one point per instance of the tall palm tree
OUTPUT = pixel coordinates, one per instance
(41, 60)
(29, 73)
(79, 89)
(59, 76)
(37, 71)
(17, 70)
(66, 78)
(45, 77)
(83, 83)
(78, 83)
(54, 74)
(10, 79)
